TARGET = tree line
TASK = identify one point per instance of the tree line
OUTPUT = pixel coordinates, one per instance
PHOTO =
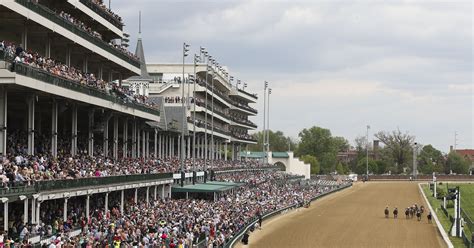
(327, 153)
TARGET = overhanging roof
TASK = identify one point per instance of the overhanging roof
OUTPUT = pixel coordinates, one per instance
(209, 187)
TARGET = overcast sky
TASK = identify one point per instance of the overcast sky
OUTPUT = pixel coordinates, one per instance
(335, 64)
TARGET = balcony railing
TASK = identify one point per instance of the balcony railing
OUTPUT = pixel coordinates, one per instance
(90, 182)
(248, 123)
(93, 182)
(104, 13)
(244, 138)
(52, 16)
(47, 77)
(209, 127)
(209, 107)
(241, 106)
(254, 96)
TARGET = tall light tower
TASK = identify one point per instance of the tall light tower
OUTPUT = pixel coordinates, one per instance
(367, 150)
(265, 86)
(268, 121)
(185, 54)
(415, 166)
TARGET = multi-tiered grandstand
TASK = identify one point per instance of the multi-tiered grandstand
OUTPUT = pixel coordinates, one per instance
(91, 148)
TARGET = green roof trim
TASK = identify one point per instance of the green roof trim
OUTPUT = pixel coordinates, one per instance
(209, 187)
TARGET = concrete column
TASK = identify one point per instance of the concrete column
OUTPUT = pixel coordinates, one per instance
(179, 146)
(5, 215)
(125, 138)
(65, 210)
(188, 147)
(136, 195)
(87, 207)
(116, 131)
(31, 125)
(47, 48)
(74, 130)
(138, 143)
(3, 119)
(201, 147)
(169, 190)
(155, 144)
(106, 202)
(33, 208)
(218, 150)
(54, 129)
(147, 196)
(101, 72)
(85, 64)
(25, 211)
(106, 138)
(162, 191)
(90, 143)
(170, 150)
(160, 146)
(144, 144)
(24, 37)
(233, 151)
(68, 55)
(225, 151)
(147, 144)
(38, 212)
(154, 192)
(121, 201)
(134, 139)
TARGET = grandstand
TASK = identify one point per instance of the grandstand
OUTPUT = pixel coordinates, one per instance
(90, 138)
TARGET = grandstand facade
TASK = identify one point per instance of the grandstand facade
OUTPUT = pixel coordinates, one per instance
(84, 125)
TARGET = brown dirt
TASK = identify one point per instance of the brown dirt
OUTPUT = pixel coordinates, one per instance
(352, 218)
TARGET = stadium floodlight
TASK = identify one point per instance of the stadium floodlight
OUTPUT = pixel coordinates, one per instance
(367, 152)
(183, 120)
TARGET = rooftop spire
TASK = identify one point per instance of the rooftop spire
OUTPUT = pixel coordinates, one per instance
(140, 53)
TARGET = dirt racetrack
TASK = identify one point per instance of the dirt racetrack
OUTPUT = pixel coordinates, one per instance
(352, 218)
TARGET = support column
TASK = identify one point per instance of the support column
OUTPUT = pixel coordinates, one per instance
(125, 138)
(106, 138)
(74, 130)
(31, 125)
(169, 146)
(160, 146)
(188, 147)
(134, 139)
(5, 214)
(33, 208)
(24, 38)
(202, 148)
(3, 120)
(162, 191)
(138, 143)
(179, 146)
(38, 213)
(47, 48)
(169, 190)
(65, 210)
(155, 144)
(219, 150)
(225, 151)
(90, 143)
(121, 201)
(154, 192)
(143, 144)
(68, 55)
(87, 207)
(136, 195)
(116, 130)
(25, 210)
(147, 144)
(54, 129)
(85, 64)
(233, 151)
(106, 202)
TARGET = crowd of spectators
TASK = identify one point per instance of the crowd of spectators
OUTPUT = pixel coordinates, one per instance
(100, 4)
(178, 222)
(59, 69)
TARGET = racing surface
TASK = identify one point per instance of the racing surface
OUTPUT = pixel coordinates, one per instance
(352, 218)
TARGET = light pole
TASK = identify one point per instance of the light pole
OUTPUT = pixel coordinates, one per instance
(196, 60)
(367, 150)
(415, 148)
(185, 53)
(212, 116)
(268, 120)
(265, 86)
(205, 116)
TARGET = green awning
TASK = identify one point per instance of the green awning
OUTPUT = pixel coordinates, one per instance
(209, 187)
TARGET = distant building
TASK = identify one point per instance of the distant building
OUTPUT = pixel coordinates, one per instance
(468, 154)
(351, 154)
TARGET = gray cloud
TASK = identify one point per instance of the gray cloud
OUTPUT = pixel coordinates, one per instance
(338, 64)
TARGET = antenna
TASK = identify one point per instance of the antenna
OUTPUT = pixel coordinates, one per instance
(139, 22)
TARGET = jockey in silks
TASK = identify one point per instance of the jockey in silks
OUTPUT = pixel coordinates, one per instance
(386, 212)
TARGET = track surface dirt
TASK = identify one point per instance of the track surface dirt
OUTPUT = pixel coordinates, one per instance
(352, 218)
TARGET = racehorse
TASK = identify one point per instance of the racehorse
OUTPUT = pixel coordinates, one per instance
(429, 217)
(386, 212)
(395, 213)
(422, 209)
(418, 215)
(412, 212)
(407, 213)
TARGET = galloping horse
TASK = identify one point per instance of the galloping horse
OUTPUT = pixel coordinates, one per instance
(395, 213)
(407, 213)
(418, 215)
(386, 212)
(429, 217)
